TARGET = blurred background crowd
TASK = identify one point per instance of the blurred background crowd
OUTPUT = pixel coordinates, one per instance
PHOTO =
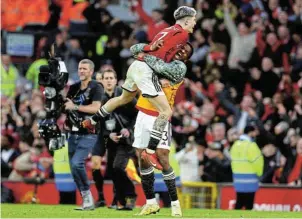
(246, 70)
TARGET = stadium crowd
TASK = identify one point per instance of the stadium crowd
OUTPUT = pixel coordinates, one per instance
(246, 70)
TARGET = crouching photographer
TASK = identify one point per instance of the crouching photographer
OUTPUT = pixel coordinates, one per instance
(83, 100)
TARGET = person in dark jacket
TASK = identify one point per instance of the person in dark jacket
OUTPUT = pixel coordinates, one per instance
(118, 137)
(216, 166)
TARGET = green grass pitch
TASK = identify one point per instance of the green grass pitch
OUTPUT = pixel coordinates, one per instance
(66, 211)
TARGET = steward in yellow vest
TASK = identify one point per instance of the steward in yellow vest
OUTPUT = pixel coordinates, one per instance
(9, 75)
(247, 166)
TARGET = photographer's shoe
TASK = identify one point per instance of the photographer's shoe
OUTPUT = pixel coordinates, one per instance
(100, 203)
(88, 203)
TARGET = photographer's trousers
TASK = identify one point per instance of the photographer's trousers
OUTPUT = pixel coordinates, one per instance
(79, 146)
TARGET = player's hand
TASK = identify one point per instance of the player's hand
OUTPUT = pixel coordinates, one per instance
(164, 82)
(87, 124)
(140, 56)
(156, 45)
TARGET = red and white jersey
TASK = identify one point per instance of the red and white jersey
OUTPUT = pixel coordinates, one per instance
(174, 38)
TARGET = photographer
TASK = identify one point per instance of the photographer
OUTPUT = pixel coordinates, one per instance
(118, 135)
(83, 100)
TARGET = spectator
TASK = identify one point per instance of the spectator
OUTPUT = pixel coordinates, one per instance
(32, 73)
(155, 22)
(267, 76)
(243, 42)
(98, 16)
(9, 75)
(11, 15)
(73, 55)
(216, 166)
(241, 113)
(271, 163)
(295, 177)
(71, 18)
(34, 161)
(34, 15)
(8, 155)
(188, 159)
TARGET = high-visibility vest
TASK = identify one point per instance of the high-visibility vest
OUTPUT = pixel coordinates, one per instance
(8, 80)
(63, 178)
(32, 73)
(101, 44)
(247, 165)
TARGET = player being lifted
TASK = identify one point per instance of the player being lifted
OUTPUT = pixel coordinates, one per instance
(141, 76)
(175, 72)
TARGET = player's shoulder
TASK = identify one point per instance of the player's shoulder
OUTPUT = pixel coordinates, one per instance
(177, 28)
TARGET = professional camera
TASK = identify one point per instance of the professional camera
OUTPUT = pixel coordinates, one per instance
(53, 77)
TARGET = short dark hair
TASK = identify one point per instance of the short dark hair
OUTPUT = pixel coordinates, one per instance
(109, 70)
(249, 128)
(192, 49)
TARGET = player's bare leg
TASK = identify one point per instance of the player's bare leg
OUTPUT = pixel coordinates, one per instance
(169, 178)
(165, 112)
(148, 178)
(114, 103)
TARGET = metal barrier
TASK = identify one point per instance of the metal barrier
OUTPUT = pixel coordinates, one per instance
(198, 195)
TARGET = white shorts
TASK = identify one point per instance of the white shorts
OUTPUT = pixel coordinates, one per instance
(141, 76)
(142, 129)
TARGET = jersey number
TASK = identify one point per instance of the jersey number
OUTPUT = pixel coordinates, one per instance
(161, 35)
(165, 136)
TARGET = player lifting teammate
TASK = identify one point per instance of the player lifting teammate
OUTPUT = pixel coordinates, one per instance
(141, 76)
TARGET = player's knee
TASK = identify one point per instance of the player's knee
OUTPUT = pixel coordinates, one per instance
(126, 97)
(144, 164)
(163, 157)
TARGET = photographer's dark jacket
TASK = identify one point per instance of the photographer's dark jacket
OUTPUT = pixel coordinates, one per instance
(94, 92)
(123, 116)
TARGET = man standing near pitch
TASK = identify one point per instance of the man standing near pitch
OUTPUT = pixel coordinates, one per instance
(141, 76)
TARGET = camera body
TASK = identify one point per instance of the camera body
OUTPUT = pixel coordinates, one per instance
(53, 77)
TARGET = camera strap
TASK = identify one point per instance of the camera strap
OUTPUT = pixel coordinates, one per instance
(118, 119)
(114, 114)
